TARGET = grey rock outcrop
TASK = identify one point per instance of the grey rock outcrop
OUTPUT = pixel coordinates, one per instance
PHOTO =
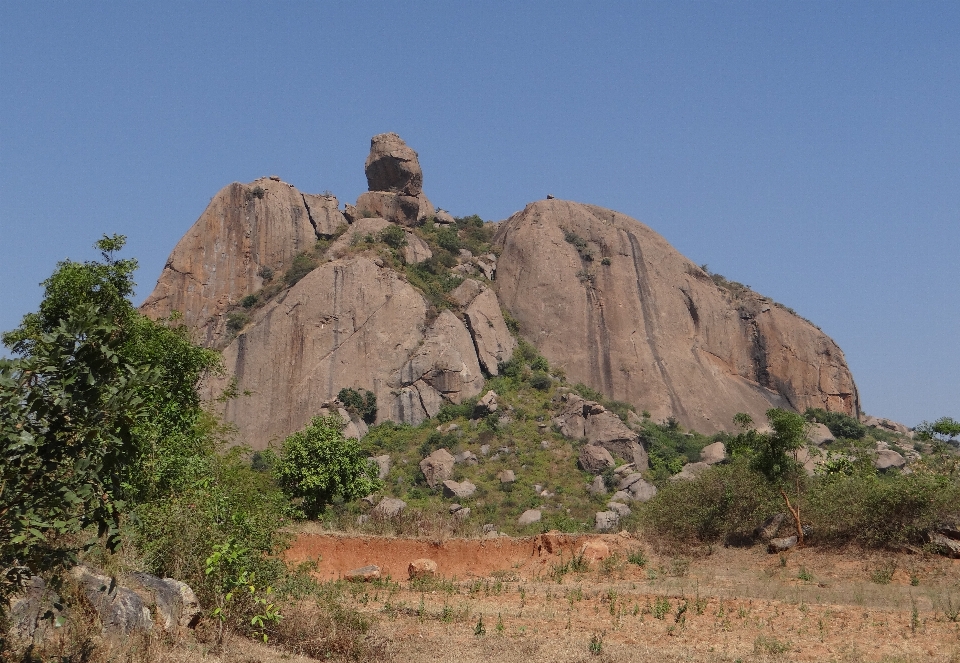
(120, 609)
(819, 434)
(389, 507)
(383, 464)
(690, 471)
(768, 528)
(594, 459)
(888, 459)
(392, 165)
(176, 603)
(581, 418)
(598, 487)
(605, 521)
(461, 490)
(437, 467)
(529, 517)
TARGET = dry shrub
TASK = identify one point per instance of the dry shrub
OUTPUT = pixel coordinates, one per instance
(326, 631)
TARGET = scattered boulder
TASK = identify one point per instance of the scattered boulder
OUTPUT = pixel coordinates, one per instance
(810, 458)
(486, 405)
(544, 444)
(642, 491)
(594, 551)
(629, 480)
(484, 449)
(944, 545)
(176, 603)
(622, 496)
(594, 459)
(467, 457)
(416, 250)
(437, 467)
(606, 429)
(27, 609)
(389, 507)
(460, 490)
(819, 434)
(383, 465)
(529, 517)
(120, 609)
(363, 574)
(713, 453)
(325, 215)
(768, 529)
(606, 521)
(888, 459)
(886, 424)
(445, 218)
(422, 568)
(462, 513)
(781, 545)
(598, 487)
(689, 471)
(507, 476)
(622, 510)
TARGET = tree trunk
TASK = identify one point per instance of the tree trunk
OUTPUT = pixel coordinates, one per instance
(796, 517)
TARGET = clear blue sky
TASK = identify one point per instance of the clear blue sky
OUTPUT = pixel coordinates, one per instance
(810, 150)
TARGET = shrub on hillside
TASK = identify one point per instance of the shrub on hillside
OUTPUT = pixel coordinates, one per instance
(318, 464)
(723, 503)
(359, 402)
(840, 424)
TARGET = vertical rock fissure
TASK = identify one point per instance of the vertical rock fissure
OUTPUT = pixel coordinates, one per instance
(313, 222)
(600, 347)
(650, 320)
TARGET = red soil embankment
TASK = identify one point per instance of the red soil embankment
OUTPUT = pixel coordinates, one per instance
(455, 558)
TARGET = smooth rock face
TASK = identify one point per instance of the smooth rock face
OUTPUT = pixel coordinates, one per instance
(689, 471)
(642, 491)
(507, 476)
(598, 487)
(461, 490)
(383, 465)
(781, 545)
(652, 329)
(363, 574)
(529, 517)
(437, 467)
(493, 340)
(176, 603)
(221, 259)
(768, 528)
(347, 323)
(619, 508)
(392, 165)
(325, 215)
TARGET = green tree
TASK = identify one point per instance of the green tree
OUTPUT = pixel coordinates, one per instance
(944, 429)
(773, 454)
(68, 410)
(317, 465)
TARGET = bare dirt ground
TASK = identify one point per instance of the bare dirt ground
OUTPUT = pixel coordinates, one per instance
(724, 604)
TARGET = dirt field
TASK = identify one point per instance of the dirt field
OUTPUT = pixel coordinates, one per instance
(724, 605)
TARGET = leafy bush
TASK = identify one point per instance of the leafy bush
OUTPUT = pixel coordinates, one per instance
(877, 511)
(541, 381)
(318, 464)
(840, 424)
(359, 402)
(249, 301)
(236, 320)
(302, 265)
(448, 240)
(722, 503)
(394, 237)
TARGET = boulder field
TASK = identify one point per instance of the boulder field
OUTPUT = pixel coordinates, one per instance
(599, 294)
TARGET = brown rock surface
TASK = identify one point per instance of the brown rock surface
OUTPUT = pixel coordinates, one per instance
(653, 329)
(490, 334)
(245, 228)
(437, 467)
(347, 323)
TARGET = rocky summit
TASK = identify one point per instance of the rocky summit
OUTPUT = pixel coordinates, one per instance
(599, 294)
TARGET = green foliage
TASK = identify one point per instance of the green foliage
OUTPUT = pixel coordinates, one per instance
(580, 244)
(541, 381)
(359, 402)
(68, 410)
(317, 465)
(840, 424)
(256, 192)
(394, 237)
(302, 264)
(769, 453)
(475, 235)
(944, 429)
(448, 240)
(237, 320)
(249, 301)
(433, 278)
(721, 504)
